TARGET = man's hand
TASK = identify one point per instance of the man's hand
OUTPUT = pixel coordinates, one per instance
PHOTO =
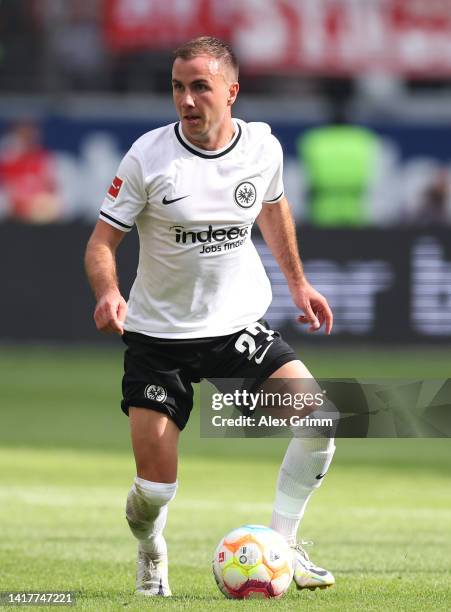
(277, 227)
(110, 312)
(316, 310)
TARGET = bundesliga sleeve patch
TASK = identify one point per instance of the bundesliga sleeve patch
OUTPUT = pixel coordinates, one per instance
(115, 187)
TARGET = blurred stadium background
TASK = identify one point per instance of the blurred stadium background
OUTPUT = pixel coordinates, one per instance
(359, 94)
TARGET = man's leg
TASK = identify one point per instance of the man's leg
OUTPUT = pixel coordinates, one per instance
(154, 439)
(302, 471)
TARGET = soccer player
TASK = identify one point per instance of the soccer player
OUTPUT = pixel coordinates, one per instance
(194, 189)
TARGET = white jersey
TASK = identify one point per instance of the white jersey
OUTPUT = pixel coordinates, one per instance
(199, 275)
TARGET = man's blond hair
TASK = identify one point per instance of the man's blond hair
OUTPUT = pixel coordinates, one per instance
(208, 45)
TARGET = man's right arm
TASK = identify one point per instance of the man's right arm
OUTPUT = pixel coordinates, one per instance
(100, 264)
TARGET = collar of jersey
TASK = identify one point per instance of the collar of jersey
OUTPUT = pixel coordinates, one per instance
(202, 152)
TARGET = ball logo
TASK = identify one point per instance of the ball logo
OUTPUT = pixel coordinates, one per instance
(155, 392)
(243, 559)
(245, 194)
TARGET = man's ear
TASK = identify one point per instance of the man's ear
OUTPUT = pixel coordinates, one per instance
(233, 92)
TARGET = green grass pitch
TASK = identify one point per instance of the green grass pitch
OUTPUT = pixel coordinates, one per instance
(381, 521)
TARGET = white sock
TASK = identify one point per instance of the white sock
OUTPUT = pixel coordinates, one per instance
(146, 513)
(304, 461)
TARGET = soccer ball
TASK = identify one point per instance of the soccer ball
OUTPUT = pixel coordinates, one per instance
(253, 561)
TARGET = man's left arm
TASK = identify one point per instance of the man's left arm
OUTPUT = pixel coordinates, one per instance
(277, 227)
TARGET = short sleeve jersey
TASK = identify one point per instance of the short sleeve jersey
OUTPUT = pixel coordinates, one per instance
(199, 274)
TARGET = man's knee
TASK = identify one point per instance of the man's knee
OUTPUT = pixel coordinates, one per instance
(156, 462)
(154, 439)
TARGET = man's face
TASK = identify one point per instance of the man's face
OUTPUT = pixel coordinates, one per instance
(204, 91)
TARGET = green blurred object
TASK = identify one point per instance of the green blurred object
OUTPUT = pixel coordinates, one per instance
(339, 162)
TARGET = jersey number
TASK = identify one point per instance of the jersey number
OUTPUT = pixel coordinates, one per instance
(246, 343)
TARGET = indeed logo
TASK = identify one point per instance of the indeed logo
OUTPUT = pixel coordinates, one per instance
(209, 235)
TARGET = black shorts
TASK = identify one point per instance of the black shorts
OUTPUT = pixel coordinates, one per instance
(159, 372)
